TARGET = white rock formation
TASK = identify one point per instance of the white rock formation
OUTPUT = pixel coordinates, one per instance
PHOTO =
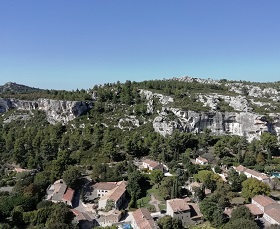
(56, 110)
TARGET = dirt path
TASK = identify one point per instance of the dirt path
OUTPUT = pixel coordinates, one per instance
(155, 202)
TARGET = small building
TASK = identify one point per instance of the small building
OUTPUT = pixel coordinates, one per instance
(59, 192)
(142, 219)
(201, 160)
(152, 165)
(188, 213)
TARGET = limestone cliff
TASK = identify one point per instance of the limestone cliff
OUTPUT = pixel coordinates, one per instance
(56, 110)
(242, 121)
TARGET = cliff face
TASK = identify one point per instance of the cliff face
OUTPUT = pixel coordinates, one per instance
(56, 110)
(241, 122)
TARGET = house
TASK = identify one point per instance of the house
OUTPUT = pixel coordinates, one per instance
(142, 219)
(262, 201)
(152, 165)
(188, 213)
(264, 206)
(117, 195)
(102, 188)
(202, 161)
(250, 173)
(59, 192)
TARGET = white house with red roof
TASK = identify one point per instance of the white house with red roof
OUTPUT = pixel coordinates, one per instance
(201, 160)
(152, 165)
(250, 173)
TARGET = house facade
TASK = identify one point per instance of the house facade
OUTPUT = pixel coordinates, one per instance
(188, 213)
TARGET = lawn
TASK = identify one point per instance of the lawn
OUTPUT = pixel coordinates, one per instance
(144, 201)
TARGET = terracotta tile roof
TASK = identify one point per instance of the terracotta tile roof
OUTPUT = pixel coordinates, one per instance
(151, 163)
(274, 214)
(117, 192)
(263, 200)
(178, 205)
(256, 174)
(143, 219)
(254, 209)
(105, 185)
(202, 159)
(240, 168)
(68, 195)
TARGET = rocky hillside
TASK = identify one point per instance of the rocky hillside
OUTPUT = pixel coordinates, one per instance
(15, 88)
(187, 104)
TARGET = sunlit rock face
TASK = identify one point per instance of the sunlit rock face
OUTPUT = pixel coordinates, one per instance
(56, 110)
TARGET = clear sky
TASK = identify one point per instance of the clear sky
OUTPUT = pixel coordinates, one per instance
(69, 44)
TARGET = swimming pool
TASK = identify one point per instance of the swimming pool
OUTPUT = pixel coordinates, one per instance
(276, 174)
(125, 226)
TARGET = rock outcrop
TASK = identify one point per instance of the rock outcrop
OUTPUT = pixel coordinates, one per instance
(242, 121)
(56, 110)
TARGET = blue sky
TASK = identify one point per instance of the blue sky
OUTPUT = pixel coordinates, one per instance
(69, 44)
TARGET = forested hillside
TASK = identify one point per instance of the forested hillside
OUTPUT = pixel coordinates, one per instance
(116, 129)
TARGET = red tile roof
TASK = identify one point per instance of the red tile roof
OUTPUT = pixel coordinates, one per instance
(256, 174)
(202, 159)
(178, 205)
(274, 214)
(240, 168)
(143, 219)
(117, 192)
(105, 185)
(254, 209)
(151, 163)
(263, 200)
(68, 195)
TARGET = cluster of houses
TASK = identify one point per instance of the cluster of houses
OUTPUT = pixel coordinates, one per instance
(97, 214)
(90, 215)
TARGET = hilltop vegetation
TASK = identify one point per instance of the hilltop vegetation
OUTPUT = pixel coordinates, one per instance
(104, 141)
